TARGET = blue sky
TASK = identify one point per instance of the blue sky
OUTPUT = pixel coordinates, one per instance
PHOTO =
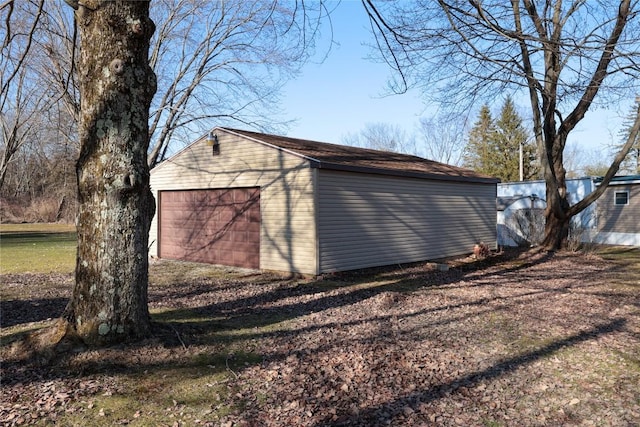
(339, 96)
(346, 91)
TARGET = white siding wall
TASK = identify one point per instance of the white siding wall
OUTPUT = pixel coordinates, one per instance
(577, 188)
(370, 220)
(287, 240)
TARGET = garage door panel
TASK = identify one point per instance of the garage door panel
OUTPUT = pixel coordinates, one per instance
(253, 228)
(224, 245)
(240, 237)
(253, 216)
(245, 258)
(224, 216)
(216, 226)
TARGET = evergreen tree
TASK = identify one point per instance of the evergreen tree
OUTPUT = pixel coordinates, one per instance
(510, 136)
(631, 163)
(477, 152)
(493, 146)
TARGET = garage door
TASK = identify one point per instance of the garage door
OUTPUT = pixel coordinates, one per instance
(219, 226)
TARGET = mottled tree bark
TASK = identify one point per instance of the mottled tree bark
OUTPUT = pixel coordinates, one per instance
(109, 302)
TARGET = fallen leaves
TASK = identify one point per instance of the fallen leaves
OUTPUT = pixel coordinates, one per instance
(508, 344)
(49, 400)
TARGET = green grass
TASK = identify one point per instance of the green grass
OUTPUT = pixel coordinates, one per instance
(619, 253)
(178, 394)
(37, 248)
(18, 332)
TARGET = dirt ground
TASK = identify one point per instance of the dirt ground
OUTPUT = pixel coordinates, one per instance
(514, 340)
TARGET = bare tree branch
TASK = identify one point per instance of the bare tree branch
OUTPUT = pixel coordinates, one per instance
(20, 101)
(565, 55)
(613, 169)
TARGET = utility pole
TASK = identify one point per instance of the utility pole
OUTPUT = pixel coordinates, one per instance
(520, 145)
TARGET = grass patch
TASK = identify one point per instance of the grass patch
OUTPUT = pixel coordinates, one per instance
(37, 228)
(15, 333)
(37, 248)
(627, 274)
(170, 272)
(619, 253)
(182, 394)
(210, 328)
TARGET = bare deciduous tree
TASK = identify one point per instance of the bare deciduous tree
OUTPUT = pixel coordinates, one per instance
(216, 62)
(116, 85)
(224, 61)
(109, 301)
(40, 183)
(443, 137)
(382, 136)
(563, 56)
(20, 95)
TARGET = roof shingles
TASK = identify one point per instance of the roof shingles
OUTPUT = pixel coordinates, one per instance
(341, 157)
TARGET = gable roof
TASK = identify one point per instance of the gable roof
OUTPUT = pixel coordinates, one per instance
(354, 159)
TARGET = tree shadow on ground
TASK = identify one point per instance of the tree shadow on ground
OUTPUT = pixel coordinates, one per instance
(264, 308)
(16, 312)
(217, 323)
(384, 414)
(208, 323)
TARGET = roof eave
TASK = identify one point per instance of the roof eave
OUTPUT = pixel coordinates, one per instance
(402, 174)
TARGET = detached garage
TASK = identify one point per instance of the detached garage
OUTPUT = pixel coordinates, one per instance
(269, 202)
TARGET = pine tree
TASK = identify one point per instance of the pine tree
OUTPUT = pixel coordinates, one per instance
(510, 135)
(493, 146)
(631, 163)
(476, 154)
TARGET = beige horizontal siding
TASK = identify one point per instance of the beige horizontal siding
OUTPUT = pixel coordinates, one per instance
(367, 220)
(619, 218)
(287, 240)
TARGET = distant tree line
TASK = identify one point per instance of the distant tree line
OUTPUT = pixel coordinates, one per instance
(490, 146)
(215, 63)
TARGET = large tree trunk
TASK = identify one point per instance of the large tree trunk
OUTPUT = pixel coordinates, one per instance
(556, 231)
(557, 218)
(109, 302)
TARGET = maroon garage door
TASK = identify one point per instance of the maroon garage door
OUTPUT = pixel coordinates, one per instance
(219, 226)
